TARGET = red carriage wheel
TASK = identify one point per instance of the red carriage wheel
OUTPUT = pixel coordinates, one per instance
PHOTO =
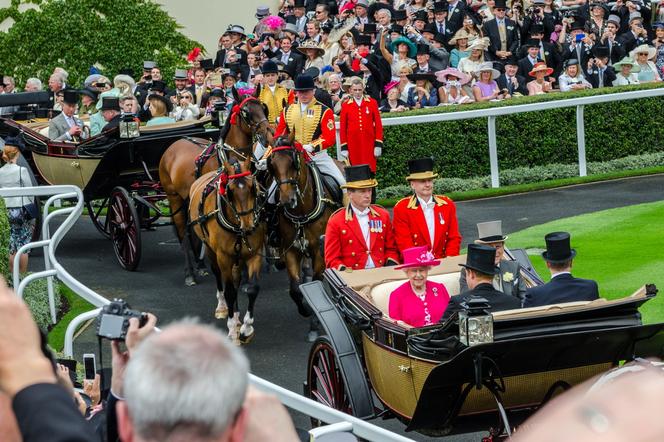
(125, 228)
(325, 381)
(98, 217)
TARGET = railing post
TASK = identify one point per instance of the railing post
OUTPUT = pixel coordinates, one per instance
(581, 140)
(493, 152)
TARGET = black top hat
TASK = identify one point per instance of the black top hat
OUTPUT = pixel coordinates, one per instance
(270, 67)
(369, 28)
(481, 258)
(421, 15)
(440, 7)
(70, 96)
(89, 93)
(207, 64)
(110, 103)
(363, 40)
(359, 177)
(600, 51)
(537, 28)
(217, 92)
(312, 72)
(423, 49)
(127, 71)
(579, 23)
(500, 4)
(533, 43)
(558, 247)
(430, 28)
(421, 169)
(164, 100)
(326, 28)
(397, 28)
(298, 3)
(512, 59)
(428, 76)
(399, 14)
(440, 38)
(304, 83)
(158, 86)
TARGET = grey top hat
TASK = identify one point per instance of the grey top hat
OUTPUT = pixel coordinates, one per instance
(290, 27)
(635, 16)
(147, 65)
(490, 232)
(364, 3)
(180, 74)
(614, 19)
(262, 11)
(236, 29)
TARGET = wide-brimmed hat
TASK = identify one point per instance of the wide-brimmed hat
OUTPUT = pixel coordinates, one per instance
(487, 66)
(270, 67)
(643, 48)
(462, 76)
(412, 49)
(180, 74)
(164, 100)
(479, 43)
(490, 232)
(236, 29)
(89, 92)
(359, 177)
(417, 257)
(428, 76)
(481, 258)
(421, 169)
(539, 67)
(262, 12)
(558, 248)
(110, 103)
(628, 61)
(460, 35)
(304, 83)
(602, 6)
(70, 96)
(311, 44)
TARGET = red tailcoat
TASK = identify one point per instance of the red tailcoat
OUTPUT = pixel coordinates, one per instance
(410, 226)
(345, 245)
(361, 130)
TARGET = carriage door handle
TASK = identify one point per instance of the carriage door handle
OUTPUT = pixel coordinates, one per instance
(75, 164)
(404, 368)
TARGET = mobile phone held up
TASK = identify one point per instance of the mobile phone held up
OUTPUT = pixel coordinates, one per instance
(90, 364)
(580, 37)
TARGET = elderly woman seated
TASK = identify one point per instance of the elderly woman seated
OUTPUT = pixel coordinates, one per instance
(418, 302)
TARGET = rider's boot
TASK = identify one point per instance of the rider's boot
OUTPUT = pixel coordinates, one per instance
(273, 237)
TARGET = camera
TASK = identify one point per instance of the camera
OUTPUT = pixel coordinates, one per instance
(113, 320)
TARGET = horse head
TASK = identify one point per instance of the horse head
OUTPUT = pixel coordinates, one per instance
(286, 165)
(241, 193)
(253, 119)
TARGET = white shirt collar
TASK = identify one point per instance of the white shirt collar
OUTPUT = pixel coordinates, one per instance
(359, 212)
(560, 273)
(428, 203)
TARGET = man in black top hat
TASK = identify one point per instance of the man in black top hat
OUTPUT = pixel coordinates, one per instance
(598, 73)
(579, 46)
(480, 270)
(503, 33)
(110, 110)
(532, 57)
(510, 78)
(369, 67)
(67, 126)
(548, 52)
(562, 287)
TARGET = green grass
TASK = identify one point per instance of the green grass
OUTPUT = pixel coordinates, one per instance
(77, 305)
(622, 249)
(543, 185)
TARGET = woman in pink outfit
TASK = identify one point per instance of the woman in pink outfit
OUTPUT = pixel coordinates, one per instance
(418, 302)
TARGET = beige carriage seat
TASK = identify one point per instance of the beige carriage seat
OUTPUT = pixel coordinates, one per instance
(380, 294)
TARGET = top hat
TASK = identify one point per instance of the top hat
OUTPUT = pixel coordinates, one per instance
(537, 28)
(304, 83)
(207, 64)
(421, 169)
(481, 258)
(421, 15)
(418, 257)
(298, 4)
(70, 96)
(600, 51)
(440, 7)
(127, 71)
(363, 40)
(369, 28)
(511, 60)
(158, 86)
(500, 4)
(147, 65)
(399, 14)
(110, 103)
(635, 16)
(270, 67)
(363, 3)
(180, 74)
(532, 43)
(579, 24)
(262, 12)
(359, 177)
(290, 27)
(430, 28)
(614, 19)
(558, 249)
(423, 49)
(396, 29)
(490, 232)
(217, 92)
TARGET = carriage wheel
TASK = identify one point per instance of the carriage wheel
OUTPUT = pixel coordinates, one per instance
(125, 228)
(325, 382)
(98, 218)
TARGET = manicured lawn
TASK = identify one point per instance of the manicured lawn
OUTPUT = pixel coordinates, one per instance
(622, 249)
(77, 305)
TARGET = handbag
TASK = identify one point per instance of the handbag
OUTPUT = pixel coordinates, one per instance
(31, 210)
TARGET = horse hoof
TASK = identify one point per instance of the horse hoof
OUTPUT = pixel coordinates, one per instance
(189, 281)
(312, 336)
(221, 313)
(245, 339)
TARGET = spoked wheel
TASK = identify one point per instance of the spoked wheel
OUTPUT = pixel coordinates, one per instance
(98, 217)
(125, 228)
(325, 382)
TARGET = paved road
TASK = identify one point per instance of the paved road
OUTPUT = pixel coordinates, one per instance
(278, 352)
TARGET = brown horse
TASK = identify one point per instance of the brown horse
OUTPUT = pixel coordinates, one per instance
(178, 168)
(225, 211)
(304, 208)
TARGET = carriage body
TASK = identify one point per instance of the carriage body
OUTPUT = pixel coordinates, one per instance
(434, 384)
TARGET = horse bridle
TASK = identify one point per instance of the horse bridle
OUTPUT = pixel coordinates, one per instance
(243, 114)
(293, 151)
(255, 210)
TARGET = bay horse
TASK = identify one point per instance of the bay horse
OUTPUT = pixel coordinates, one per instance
(305, 205)
(188, 158)
(224, 210)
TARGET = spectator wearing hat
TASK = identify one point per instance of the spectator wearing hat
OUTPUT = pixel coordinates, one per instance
(222, 58)
(658, 42)
(298, 18)
(539, 85)
(424, 94)
(67, 126)
(598, 72)
(486, 88)
(431, 56)
(648, 71)
(110, 110)
(470, 64)
(418, 302)
(401, 51)
(510, 80)
(626, 73)
(481, 269)
(532, 56)
(452, 83)
(360, 128)
(272, 94)
(312, 124)
(503, 33)
(508, 277)
(88, 101)
(610, 40)
(160, 107)
(637, 34)
(440, 21)
(548, 52)
(544, 13)
(424, 218)
(361, 13)
(460, 43)
(422, 56)
(579, 44)
(572, 79)
(392, 102)
(599, 13)
(313, 54)
(359, 236)
(181, 80)
(562, 287)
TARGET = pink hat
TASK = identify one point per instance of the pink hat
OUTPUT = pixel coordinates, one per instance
(418, 257)
(390, 85)
(441, 76)
(347, 7)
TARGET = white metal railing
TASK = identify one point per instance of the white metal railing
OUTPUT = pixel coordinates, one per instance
(491, 113)
(340, 422)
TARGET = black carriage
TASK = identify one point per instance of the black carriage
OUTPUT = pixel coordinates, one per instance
(368, 365)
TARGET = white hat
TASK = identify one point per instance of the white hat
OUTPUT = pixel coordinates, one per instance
(487, 66)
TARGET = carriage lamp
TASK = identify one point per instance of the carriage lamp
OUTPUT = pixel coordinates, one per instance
(475, 322)
(129, 127)
(219, 114)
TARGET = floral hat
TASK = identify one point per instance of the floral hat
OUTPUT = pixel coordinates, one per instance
(418, 257)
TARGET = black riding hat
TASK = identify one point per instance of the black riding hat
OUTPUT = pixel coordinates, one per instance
(359, 177)
(481, 258)
(110, 103)
(304, 83)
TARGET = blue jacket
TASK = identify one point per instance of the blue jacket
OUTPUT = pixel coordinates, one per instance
(562, 288)
(432, 101)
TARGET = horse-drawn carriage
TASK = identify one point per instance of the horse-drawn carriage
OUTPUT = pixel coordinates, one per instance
(474, 372)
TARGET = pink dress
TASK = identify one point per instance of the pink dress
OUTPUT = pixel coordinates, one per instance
(406, 306)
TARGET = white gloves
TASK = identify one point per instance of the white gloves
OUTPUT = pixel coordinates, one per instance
(343, 153)
(262, 164)
(378, 151)
(309, 148)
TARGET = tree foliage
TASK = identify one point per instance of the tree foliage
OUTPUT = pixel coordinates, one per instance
(77, 34)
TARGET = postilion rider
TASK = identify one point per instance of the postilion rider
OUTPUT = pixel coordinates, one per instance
(425, 218)
(360, 235)
(272, 94)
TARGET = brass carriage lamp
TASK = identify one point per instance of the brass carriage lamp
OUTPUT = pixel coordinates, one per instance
(475, 322)
(129, 127)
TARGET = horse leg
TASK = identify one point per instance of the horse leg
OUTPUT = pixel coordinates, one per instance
(198, 252)
(293, 266)
(180, 220)
(252, 288)
(221, 312)
(230, 294)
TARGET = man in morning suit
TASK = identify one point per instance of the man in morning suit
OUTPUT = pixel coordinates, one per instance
(425, 218)
(502, 32)
(110, 110)
(511, 80)
(563, 287)
(480, 270)
(67, 126)
(360, 235)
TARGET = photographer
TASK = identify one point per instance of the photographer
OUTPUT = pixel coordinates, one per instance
(608, 39)
(598, 73)
(636, 36)
(186, 110)
(545, 13)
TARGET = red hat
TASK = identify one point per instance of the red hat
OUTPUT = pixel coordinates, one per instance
(418, 257)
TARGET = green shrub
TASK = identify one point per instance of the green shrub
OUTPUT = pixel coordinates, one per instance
(76, 34)
(4, 241)
(35, 296)
(527, 140)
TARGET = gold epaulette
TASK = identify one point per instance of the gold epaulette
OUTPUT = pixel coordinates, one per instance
(441, 199)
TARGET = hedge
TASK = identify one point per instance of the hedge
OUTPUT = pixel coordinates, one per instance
(77, 34)
(613, 130)
(4, 242)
